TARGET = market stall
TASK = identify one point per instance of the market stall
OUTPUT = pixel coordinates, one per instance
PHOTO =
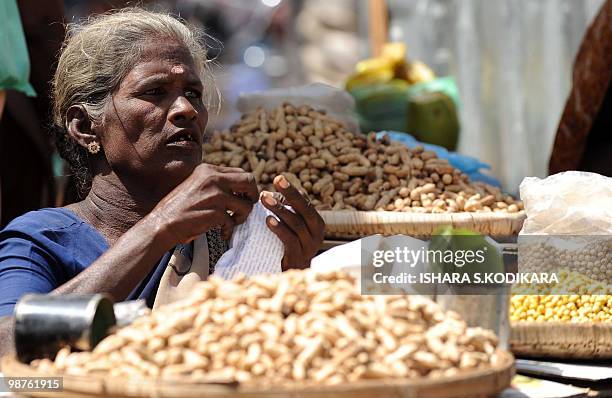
(378, 161)
(307, 333)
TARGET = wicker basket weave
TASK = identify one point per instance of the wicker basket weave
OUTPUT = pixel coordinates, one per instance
(353, 224)
(562, 340)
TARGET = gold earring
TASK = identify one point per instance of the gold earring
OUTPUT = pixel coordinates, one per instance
(93, 147)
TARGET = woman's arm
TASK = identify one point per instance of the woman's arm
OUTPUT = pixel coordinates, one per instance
(116, 272)
(200, 203)
(124, 265)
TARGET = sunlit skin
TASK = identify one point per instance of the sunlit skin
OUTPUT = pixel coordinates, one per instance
(159, 97)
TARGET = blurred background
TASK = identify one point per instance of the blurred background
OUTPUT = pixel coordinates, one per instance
(509, 61)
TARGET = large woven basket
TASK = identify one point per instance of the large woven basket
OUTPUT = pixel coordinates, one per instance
(562, 340)
(474, 384)
(354, 224)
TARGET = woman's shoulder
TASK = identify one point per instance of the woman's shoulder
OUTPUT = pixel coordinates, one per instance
(47, 219)
(53, 232)
(41, 250)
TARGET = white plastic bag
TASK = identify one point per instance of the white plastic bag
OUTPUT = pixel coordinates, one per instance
(339, 104)
(568, 226)
(568, 203)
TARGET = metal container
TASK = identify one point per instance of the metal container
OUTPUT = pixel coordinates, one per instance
(46, 323)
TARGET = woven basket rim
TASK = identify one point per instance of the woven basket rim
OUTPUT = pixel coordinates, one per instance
(350, 223)
(495, 378)
(579, 340)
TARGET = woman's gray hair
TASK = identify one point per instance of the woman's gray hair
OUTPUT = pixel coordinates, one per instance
(95, 57)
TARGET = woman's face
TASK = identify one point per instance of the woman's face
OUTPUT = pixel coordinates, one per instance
(154, 125)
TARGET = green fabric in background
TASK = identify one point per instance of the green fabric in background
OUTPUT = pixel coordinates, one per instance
(14, 60)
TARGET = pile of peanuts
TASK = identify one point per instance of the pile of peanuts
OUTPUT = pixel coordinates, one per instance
(576, 298)
(285, 329)
(341, 170)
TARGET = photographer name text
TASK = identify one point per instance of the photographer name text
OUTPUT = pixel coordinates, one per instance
(485, 278)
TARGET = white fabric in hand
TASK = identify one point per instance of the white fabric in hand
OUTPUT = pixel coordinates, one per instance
(253, 248)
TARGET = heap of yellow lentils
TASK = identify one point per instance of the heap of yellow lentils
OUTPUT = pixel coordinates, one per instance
(573, 307)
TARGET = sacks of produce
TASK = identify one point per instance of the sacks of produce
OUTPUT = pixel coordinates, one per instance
(568, 228)
(567, 233)
(576, 324)
(342, 170)
(393, 93)
(294, 327)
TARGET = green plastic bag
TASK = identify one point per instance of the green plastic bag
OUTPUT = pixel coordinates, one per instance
(427, 110)
(460, 241)
(381, 106)
(445, 85)
(14, 60)
(432, 118)
(432, 115)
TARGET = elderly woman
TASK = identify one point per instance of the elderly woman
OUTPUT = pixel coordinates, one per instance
(130, 111)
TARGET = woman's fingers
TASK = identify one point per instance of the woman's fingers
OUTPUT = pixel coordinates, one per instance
(301, 205)
(213, 217)
(302, 231)
(293, 257)
(225, 169)
(230, 179)
(240, 207)
(203, 201)
(293, 221)
(240, 183)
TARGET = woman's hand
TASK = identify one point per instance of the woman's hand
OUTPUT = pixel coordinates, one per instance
(301, 232)
(212, 196)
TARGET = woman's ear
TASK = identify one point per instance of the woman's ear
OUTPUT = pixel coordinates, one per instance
(79, 126)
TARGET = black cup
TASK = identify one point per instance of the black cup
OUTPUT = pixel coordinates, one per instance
(46, 323)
